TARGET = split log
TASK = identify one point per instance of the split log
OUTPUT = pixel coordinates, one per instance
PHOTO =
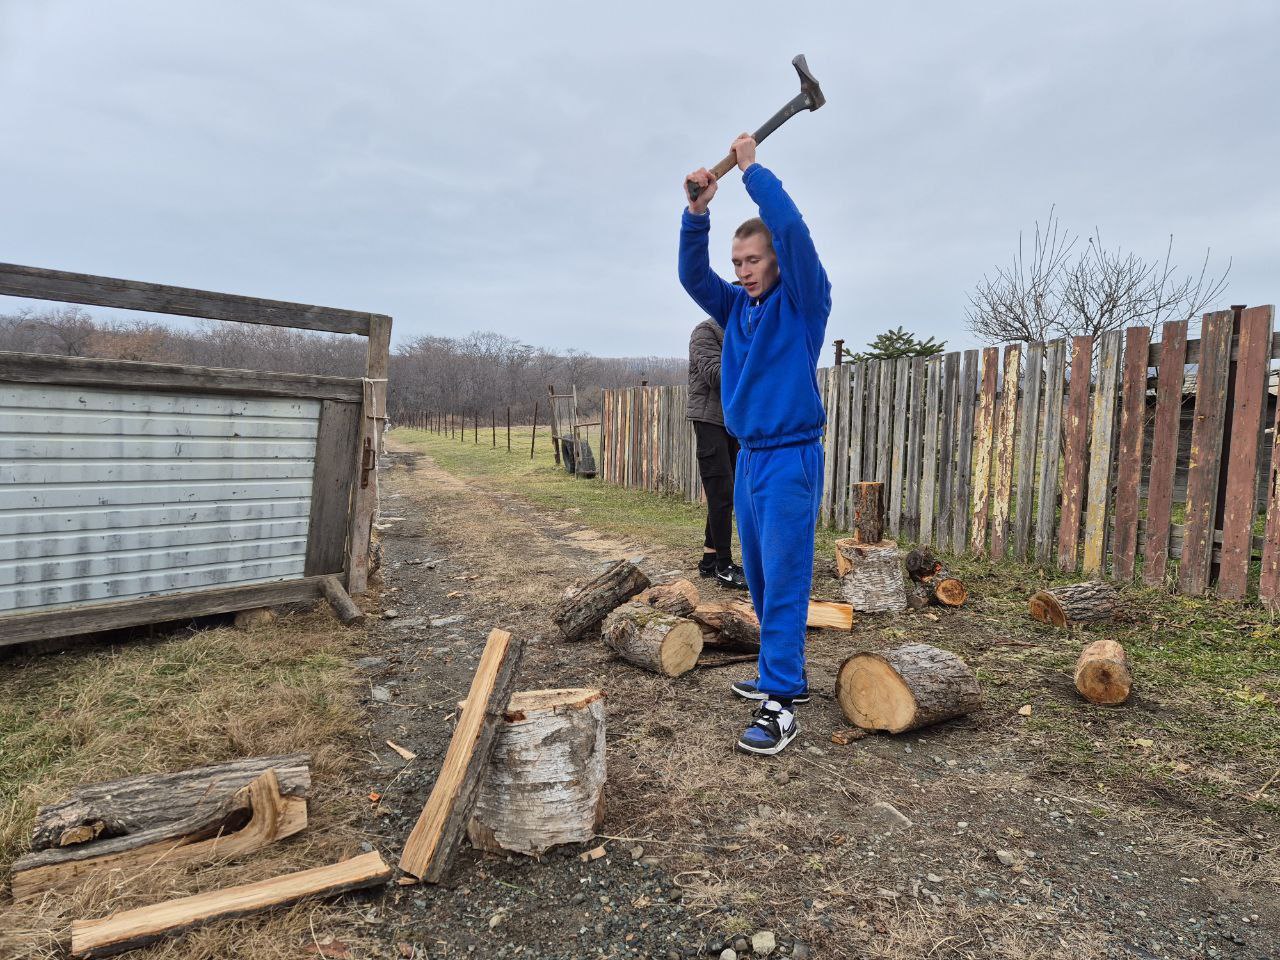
(433, 842)
(728, 624)
(218, 833)
(1102, 673)
(872, 581)
(130, 929)
(678, 598)
(134, 804)
(922, 565)
(830, 616)
(1075, 604)
(584, 608)
(544, 785)
(931, 582)
(867, 501)
(904, 689)
(344, 608)
(652, 639)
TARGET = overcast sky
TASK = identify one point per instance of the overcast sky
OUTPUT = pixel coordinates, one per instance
(516, 167)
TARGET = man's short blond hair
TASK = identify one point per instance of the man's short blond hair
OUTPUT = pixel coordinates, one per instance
(752, 227)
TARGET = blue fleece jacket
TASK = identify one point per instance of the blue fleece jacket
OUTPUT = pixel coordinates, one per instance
(769, 368)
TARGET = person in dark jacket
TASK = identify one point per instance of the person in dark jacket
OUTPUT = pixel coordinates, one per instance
(774, 323)
(717, 451)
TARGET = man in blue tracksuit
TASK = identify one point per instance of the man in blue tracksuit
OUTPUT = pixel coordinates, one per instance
(774, 324)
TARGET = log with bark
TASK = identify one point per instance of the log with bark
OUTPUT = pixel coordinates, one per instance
(651, 639)
(247, 821)
(340, 602)
(678, 598)
(130, 929)
(586, 607)
(904, 689)
(867, 502)
(871, 580)
(931, 583)
(129, 806)
(433, 842)
(1075, 604)
(1102, 673)
(728, 625)
(544, 785)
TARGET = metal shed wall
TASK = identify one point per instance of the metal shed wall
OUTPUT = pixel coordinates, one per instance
(113, 494)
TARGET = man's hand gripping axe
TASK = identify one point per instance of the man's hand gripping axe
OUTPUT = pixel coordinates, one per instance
(809, 98)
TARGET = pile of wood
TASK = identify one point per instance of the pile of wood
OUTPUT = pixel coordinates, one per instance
(931, 583)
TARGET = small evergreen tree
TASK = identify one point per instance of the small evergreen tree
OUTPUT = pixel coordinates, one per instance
(893, 344)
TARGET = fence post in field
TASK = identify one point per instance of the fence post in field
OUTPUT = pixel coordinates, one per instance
(493, 426)
(534, 437)
(508, 429)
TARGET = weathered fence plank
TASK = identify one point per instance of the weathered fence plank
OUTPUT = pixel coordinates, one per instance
(929, 465)
(872, 390)
(826, 383)
(1029, 411)
(884, 434)
(1247, 416)
(984, 436)
(1206, 451)
(1007, 413)
(902, 371)
(915, 446)
(1129, 461)
(857, 434)
(1170, 377)
(1073, 457)
(1050, 438)
(848, 397)
(967, 402)
(946, 450)
(1102, 445)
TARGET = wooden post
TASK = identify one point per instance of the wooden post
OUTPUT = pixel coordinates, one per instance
(493, 426)
(373, 406)
(534, 439)
(839, 345)
(508, 428)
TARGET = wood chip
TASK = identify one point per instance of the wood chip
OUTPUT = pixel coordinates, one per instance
(846, 737)
(1025, 711)
(590, 855)
(404, 754)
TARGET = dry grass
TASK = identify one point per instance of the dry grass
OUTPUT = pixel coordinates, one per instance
(99, 713)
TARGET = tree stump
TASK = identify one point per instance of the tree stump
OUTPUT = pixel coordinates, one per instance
(544, 785)
(1102, 673)
(678, 598)
(578, 612)
(872, 577)
(905, 689)
(652, 639)
(1075, 604)
(867, 501)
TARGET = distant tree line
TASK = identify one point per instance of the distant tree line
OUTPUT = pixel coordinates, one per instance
(469, 375)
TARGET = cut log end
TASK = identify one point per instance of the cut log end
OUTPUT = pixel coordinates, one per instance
(654, 640)
(904, 689)
(1102, 673)
(1078, 603)
(950, 592)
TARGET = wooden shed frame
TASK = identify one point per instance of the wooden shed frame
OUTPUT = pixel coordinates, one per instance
(344, 496)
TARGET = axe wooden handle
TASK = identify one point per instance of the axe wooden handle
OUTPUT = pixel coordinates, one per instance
(718, 171)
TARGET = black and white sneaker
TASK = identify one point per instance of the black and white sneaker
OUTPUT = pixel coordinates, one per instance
(748, 690)
(773, 728)
(731, 576)
(707, 566)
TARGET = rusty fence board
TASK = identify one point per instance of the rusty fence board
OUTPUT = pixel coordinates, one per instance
(1028, 412)
(1050, 440)
(1074, 453)
(1206, 451)
(1170, 377)
(1101, 454)
(983, 442)
(1002, 469)
(1240, 509)
(853, 409)
(1133, 409)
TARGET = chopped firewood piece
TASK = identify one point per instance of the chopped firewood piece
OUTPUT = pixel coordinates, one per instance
(593, 854)
(404, 754)
(824, 614)
(904, 689)
(582, 609)
(680, 597)
(1102, 673)
(1078, 603)
(649, 638)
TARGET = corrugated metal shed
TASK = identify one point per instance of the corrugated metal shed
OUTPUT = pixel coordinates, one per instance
(110, 495)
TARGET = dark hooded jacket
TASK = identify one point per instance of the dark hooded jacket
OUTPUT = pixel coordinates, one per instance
(705, 345)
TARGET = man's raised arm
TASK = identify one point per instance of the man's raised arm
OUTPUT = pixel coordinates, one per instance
(709, 291)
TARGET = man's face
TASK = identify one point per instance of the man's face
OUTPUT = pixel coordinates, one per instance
(755, 264)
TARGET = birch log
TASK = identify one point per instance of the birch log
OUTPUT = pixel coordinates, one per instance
(904, 689)
(872, 581)
(652, 639)
(545, 783)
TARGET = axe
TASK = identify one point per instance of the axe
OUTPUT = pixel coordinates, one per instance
(809, 98)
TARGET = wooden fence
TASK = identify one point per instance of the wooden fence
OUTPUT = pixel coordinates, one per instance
(1119, 457)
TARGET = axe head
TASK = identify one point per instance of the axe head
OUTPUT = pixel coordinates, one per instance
(808, 83)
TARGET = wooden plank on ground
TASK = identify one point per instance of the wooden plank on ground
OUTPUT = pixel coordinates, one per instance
(884, 433)
(129, 929)
(1249, 412)
(897, 464)
(871, 409)
(827, 615)
(1206, 451)
(946, 450)
(929, 458)
(964, 451)
(848, 383)
(433, 842)
(1133, 411)
(1073, 458)
(984, 442)
(1170, 380)
(915, 445)
(1028, 414)
(1002, 468)
(1101, 454)
(1050, 450)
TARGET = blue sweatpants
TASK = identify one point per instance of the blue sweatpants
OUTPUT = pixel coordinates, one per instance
(776, 497)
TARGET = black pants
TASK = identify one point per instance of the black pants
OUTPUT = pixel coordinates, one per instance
(717, 456)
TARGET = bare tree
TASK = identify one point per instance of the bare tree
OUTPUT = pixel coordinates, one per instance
(1057, 291)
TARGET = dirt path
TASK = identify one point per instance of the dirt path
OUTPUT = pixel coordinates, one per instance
(986, 847)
